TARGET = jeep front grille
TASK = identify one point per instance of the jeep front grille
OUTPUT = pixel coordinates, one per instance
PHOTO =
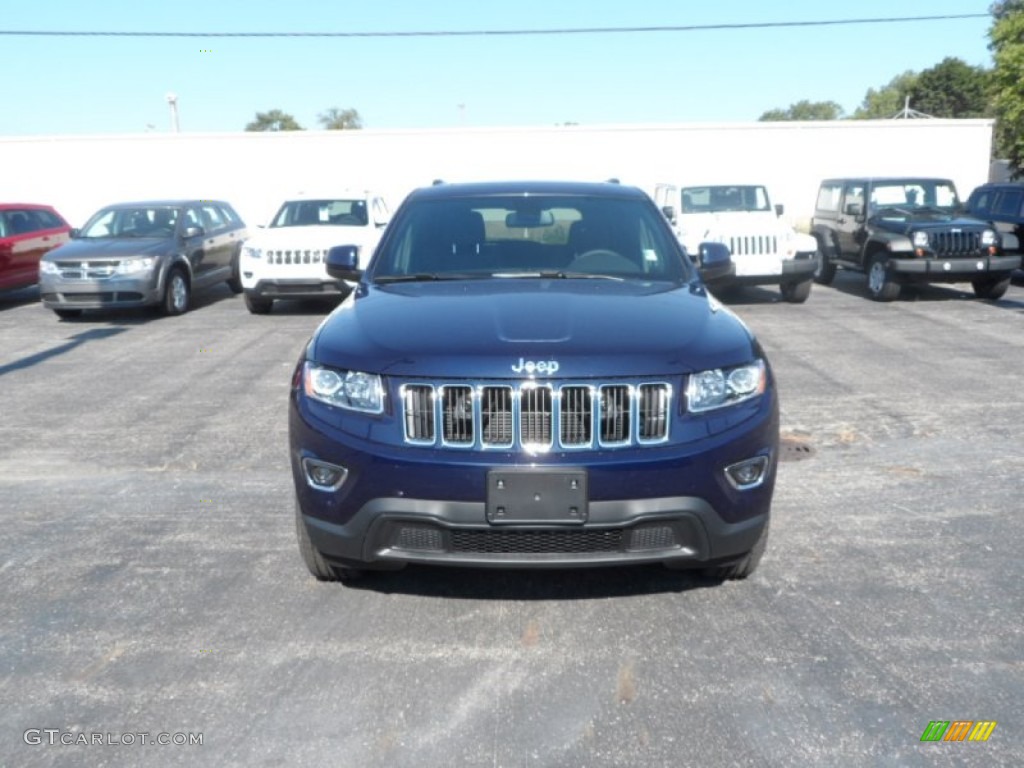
(297, 256)
(536, 416)
(955, 242)
(753, 245)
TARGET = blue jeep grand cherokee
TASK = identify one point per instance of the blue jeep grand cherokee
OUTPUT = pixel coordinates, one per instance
(531, 374)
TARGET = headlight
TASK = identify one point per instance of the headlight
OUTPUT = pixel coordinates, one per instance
(988, 237)
(132, 266)
(346, 389)
(252, 252)
(920, 240)
(718, 388)
(48, 268)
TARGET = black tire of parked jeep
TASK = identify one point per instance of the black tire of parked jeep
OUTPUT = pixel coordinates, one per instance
(177, 293)
(991, 288)
(742, 568)
(825, 271)
(881, 286)
(320, 568)
(67, 314)
(258, 305)
(235, 281)
(796, 293)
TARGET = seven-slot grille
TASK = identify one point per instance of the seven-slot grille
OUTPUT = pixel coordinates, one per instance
(753, 245)
(306, 256)
(536, 416)
(952, 242)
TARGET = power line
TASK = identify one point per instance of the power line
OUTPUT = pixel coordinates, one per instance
(501, 32)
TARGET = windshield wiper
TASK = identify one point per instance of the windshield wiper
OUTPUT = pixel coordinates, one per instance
(556, 275)
(424, 277)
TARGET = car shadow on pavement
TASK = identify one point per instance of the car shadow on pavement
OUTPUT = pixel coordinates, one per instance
(748, 294)
(299, 307)
(77, 340)
(532, 584)
(854, 284)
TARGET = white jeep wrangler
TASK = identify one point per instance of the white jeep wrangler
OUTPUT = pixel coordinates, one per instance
(286, 259)
(765, 249)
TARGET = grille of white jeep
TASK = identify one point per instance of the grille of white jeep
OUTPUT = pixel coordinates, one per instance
(297, 256)
(536, 416)
(753, 245)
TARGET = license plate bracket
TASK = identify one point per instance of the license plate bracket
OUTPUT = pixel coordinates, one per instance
(538, 496)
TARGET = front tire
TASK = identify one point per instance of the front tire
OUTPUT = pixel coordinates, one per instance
(315, 562)
(744, 567)
(258, 305)
(796, 293)
(177, 293)
(991, 288)
(825, 270)
(235, 281)
(881, 286)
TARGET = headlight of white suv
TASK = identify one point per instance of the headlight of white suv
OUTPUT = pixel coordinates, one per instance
(252, 252)
(720, 387)
(920, 239)
(354, 390)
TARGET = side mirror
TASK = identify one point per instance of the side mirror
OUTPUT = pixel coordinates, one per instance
(74, 233)
(343, 263)
(190, 232)
(715, 261)
(669, 212)
(779, 209)
(855, 209)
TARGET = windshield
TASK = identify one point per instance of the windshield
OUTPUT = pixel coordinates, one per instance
(142, 221)
(303, 213)
(723, 198)
(517, 236)
(909, 197)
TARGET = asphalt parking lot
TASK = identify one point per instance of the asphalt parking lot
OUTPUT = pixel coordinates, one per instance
(152, 585)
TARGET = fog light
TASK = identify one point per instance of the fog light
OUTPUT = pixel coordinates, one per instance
(323, 476)
(747, 474)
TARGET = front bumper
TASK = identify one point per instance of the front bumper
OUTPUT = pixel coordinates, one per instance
(405, 504)
(104, 293)
(953, 270)
(298, 288)
(776, 271)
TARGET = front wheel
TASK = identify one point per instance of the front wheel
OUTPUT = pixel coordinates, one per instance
(796, 293)
(824, 270)
(258, 305)
(235, 281)
(315, 562)
(176, 293)
(881, 286)
(991, 288)
(744, 567)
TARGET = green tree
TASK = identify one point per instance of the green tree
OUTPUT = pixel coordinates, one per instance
(335, 119)
(1006, 41)
(952, 88)
(805, 110)
(274, 120)
(888, 100)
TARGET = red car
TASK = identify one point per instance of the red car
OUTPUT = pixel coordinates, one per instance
(27, 231)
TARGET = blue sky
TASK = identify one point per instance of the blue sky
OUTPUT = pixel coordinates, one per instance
(60, 85)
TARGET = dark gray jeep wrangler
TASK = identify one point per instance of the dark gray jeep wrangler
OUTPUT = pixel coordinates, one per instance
(907, 230)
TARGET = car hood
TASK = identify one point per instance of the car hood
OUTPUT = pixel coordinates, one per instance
(313, 236)
(110, 248)
(927, 221)
(486, 329)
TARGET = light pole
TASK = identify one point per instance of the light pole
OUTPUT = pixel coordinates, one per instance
(172, 102)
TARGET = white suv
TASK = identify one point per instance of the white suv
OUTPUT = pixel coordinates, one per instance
(765, 249)
(286, 259)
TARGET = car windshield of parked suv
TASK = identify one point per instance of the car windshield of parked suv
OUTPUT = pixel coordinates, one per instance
(723, 198)
(143, 221)
(909, 198)
(303, 213)
(537, 236)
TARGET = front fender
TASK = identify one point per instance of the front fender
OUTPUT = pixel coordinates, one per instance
(804, 243)
(891, 243)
